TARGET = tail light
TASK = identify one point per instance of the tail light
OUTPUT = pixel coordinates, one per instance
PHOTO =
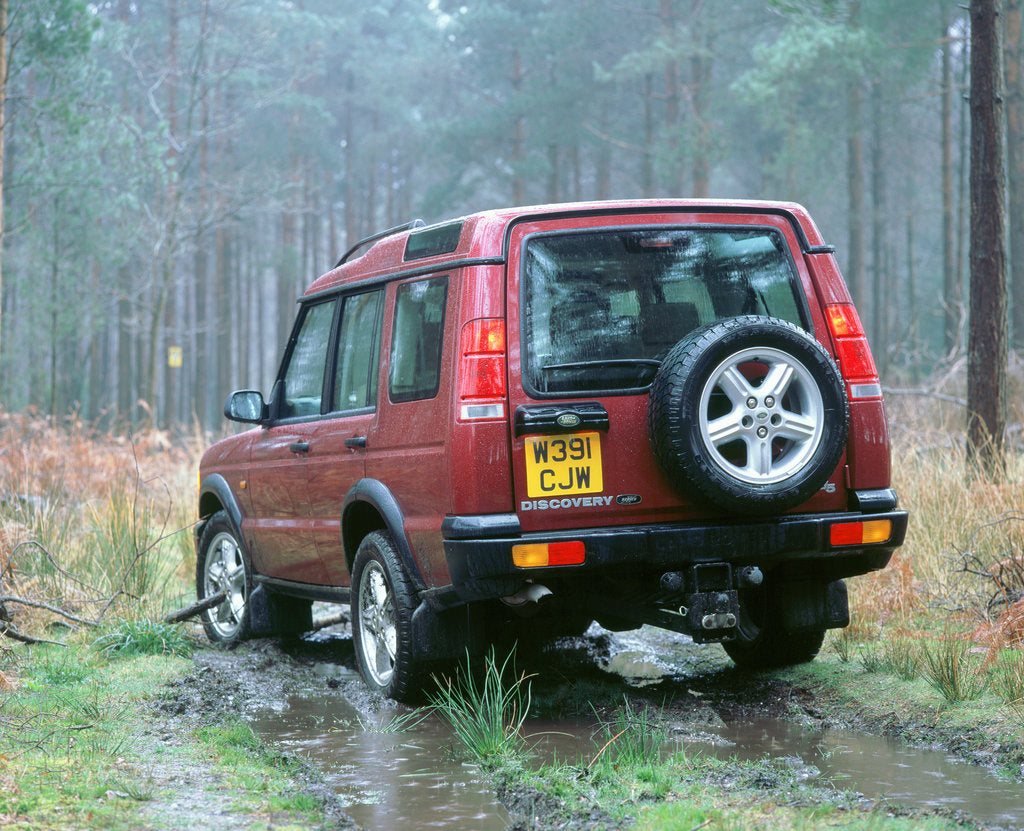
(539, 555)
(853, 352)
(860, 533)
(482, 385)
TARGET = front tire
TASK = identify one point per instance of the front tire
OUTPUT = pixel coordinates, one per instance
(382, 607)
(222, 564)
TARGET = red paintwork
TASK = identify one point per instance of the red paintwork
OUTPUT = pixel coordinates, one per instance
(436, 466)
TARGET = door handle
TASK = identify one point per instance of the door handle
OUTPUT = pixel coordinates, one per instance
(356, 441)
(299, 447)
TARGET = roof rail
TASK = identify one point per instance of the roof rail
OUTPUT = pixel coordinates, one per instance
(416, 223)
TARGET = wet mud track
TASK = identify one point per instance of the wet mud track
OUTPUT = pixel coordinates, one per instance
(305, 697)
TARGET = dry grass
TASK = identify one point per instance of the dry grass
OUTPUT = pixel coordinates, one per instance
(963, 560)
(88, 522)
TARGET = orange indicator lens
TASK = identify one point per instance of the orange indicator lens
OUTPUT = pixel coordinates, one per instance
(860, 533)
(538, 555)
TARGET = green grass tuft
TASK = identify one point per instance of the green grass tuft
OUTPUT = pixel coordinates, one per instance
(485, 715)
(129, 638)
(948, 669)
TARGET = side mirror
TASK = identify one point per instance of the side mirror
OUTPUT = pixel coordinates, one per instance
(246, 406)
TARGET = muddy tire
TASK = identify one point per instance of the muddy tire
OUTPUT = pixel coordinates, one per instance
(762, 643)
(382, 607)
(222, 564)
(749, 414)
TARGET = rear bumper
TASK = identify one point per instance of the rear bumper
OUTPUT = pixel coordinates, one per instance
(479, 550)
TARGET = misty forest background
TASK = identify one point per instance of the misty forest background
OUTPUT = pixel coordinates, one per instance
(175, 172)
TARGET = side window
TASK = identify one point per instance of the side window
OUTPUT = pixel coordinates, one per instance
(416, 339)
(304, 375)
(355, 377)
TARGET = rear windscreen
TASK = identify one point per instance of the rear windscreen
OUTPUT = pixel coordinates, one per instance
(602, 308)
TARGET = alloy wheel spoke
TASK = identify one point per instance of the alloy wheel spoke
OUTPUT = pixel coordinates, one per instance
(736, 387)
(727, 428)
(777, 381)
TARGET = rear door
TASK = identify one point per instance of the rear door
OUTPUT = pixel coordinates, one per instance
(336, 457)
(407, 444)
(596, 303)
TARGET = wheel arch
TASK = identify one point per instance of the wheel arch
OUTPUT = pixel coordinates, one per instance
(371, 506)
(215, 495)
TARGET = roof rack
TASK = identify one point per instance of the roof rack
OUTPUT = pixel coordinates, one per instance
(416, 223)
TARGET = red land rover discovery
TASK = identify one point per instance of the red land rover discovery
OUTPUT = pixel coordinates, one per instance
(660, 412)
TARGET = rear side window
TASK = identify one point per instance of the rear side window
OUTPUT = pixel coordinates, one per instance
(415, 366)
(601, 309)
(304, 375)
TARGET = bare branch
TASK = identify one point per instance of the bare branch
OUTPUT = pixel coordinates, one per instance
(37, 604)
(196, 608)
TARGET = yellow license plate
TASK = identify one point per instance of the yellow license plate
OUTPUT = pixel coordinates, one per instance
(563, 465)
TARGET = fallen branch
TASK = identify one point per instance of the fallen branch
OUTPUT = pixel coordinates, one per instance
(938, 396)
(37, 604)
(323, 623)
(11, 631)
(603, 749)
(196, 608)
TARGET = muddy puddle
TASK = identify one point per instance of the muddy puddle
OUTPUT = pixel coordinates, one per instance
(880, 768)
(390, 780)
(412, 777)
(390, 773)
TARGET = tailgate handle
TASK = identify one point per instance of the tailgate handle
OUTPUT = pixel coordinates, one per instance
(561, 418)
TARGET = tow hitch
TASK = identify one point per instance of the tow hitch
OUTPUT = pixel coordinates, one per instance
(712, 607)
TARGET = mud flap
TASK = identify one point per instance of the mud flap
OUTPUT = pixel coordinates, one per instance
(809, 606)
(440, 636)
(277, 614)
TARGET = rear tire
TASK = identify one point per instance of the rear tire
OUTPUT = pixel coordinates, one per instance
(775, 649)
(382, 607)
(762, 643)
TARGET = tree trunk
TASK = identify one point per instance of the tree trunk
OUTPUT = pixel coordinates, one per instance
(856, 273)
(518, 134)
(700, 78)
(647, 168)
(3, 124)
(1014, 56)
(951, 299)
(987, 337)
(881, 278)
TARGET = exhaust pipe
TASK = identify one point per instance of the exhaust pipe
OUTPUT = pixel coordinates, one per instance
(531, 593)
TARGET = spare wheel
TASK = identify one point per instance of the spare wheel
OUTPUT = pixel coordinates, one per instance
(748, 413)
